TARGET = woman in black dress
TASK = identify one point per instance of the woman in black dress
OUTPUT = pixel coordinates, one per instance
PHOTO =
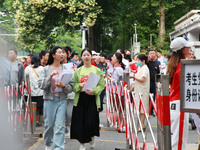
(85, 115)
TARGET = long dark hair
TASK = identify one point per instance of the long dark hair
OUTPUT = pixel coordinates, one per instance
(119, 57)
(85, 49)
(143, 57)
(42, 53)
(66, 51)
(173, 63)
(35, 61)
(109, 57)
(52, 51)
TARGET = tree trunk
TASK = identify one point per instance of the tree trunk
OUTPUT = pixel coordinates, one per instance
(91, 38)
(194, 4)
(162, 32)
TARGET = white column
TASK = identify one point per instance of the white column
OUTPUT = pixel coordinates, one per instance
(83, 39)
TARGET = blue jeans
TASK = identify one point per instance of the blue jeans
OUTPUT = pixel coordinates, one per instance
(54, 111)
(68, 113)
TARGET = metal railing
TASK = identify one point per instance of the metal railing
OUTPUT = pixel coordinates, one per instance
(131, 115)
(21, 112)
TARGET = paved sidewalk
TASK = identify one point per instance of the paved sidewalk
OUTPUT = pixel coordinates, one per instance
(110, 139)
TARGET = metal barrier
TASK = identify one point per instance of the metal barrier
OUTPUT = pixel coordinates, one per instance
(14, 106)
(30, 124)
(18, 117)
(163, 107)
(131, 114)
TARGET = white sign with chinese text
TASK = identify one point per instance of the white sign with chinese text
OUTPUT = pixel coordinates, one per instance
(190, 85)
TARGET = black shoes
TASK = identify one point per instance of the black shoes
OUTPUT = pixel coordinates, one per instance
(38, 124)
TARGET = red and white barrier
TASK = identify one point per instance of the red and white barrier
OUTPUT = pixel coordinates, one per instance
(130, 114)
(115, 109)
(15, 103)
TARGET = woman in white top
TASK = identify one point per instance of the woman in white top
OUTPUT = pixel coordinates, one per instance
(125, 62)
(117, 76)
(33, 72)
(109, 63)
(142, 85)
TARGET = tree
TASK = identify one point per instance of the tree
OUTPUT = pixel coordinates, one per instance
(37, 19)
(115, 26)
(72, 39)
(7, 25)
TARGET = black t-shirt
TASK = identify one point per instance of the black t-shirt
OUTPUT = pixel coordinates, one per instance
(153, 69)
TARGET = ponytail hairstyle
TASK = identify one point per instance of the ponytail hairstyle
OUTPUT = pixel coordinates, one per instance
(119, 57)
(142, 57)
(85, 49)
(35, 61)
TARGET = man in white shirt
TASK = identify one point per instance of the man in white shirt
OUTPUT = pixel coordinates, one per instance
(161, 60)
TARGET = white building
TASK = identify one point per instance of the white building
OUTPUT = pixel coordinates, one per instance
(189, 26)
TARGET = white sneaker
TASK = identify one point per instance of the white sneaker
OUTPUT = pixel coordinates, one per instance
(101, 125)
(124, 129)
(67, 135)
(82, 147)
(92, 143)
(48, 148)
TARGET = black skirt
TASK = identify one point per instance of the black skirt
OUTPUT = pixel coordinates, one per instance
(85, 119)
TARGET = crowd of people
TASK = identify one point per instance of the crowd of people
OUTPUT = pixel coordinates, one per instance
(78, 109)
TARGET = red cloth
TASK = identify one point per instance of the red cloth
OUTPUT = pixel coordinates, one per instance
(175, 86)
(94, 64)
(42, 63)
(25, 66)
(134, 68)
(84, 79)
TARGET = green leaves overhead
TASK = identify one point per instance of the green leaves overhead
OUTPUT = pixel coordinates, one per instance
(120, 16)
(37, 18)
(113, 21)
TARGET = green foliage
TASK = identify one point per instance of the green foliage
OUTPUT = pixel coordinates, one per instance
(44, 23)
(70, 39)
(67, 39)
(36, 19)
(119, 17)
(7, 25)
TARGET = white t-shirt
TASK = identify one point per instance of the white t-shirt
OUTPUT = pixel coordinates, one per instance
(126, 62)
(161, 60)
(35, 90)
(162, 65)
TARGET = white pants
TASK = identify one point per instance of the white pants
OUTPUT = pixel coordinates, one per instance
(179, 126)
